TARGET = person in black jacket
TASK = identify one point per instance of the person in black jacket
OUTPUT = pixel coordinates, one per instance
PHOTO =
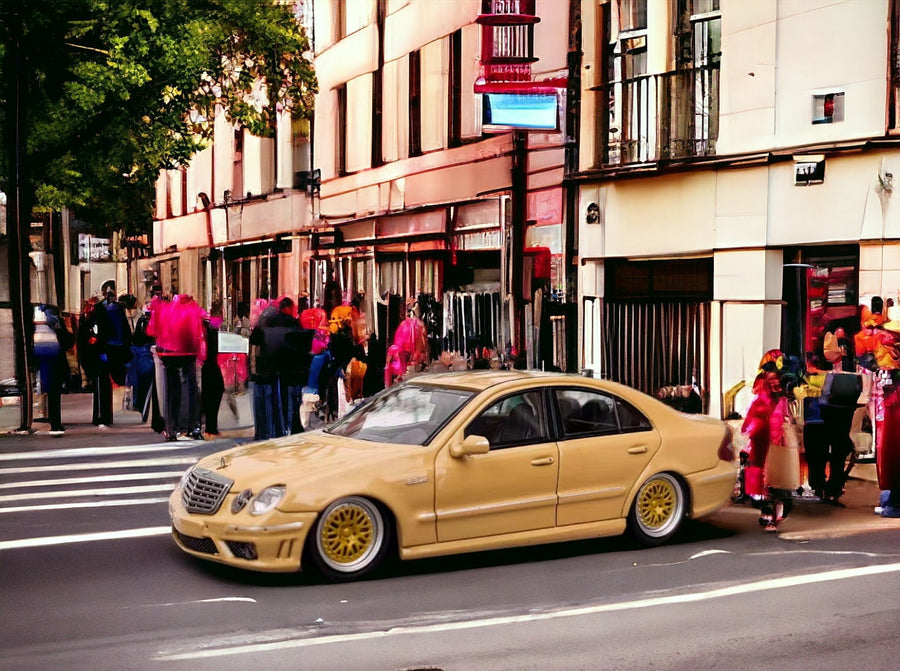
(212, 384)
(837, 404)
(267, 341)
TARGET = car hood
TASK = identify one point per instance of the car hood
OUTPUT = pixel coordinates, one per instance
(306, 457)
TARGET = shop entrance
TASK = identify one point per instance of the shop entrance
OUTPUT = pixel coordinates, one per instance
(656, 325)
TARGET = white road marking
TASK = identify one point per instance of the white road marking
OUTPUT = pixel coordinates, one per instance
(81, 538)
(221, 599)
(747, 588)
(100, 465)
(100, 451)
(120, 477)
(110, 491)
(82, 504)
(706, 553)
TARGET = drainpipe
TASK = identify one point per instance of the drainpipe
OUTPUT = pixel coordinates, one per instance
(519, 214)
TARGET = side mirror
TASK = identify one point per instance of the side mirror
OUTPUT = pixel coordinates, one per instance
(471, 445)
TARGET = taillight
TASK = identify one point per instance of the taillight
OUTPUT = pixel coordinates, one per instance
(726, 449)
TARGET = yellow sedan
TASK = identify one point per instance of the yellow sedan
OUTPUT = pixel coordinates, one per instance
(455, 463)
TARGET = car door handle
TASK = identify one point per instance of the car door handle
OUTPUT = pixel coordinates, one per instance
(544, 461)
(639, 449)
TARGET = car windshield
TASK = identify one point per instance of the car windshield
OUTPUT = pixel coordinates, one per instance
(406, 414)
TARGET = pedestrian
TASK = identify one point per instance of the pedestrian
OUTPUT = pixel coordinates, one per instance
(294, 369)
(51, 341)
(93, 341)
(765, 426)
(180, 342)
(837, 403)
(267, 341)
(212, 384)
(118, 344)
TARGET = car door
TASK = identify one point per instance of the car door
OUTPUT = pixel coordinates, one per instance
(510, 488)
(605, 445)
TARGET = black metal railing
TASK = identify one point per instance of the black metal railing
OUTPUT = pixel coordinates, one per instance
(657, 117)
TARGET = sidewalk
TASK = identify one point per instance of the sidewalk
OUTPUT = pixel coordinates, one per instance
(127, 427)
(812, 519)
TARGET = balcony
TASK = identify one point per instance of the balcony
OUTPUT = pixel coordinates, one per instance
(649, 118)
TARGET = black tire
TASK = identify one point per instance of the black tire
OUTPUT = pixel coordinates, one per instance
(351, 538)
(658, 510)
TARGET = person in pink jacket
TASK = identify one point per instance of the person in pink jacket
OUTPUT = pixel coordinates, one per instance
(180, 343)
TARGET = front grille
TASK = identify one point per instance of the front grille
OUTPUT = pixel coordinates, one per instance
(204, 491)
(204, 545)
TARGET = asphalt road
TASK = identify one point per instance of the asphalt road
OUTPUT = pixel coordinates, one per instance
(91, 580)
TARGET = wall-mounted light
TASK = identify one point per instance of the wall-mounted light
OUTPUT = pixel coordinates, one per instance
(592, 216)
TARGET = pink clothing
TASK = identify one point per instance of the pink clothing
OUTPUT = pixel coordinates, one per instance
(764, 426)
(178, 327)
(410, 338)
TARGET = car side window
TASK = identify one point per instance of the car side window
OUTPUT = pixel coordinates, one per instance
(585, 412)
(630, 418)
(519, 419)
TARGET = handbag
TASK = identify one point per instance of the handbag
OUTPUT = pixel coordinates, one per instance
(783, 459)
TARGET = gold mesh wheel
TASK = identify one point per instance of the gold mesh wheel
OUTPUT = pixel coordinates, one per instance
(658, 508)
(350, 536)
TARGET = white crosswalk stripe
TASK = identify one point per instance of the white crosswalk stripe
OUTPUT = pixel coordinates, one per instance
(91, 494)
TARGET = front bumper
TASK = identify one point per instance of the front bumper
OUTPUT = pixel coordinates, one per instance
(271, 543)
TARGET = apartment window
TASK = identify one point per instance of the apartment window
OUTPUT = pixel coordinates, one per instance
(378, 91)
(454, 108)
(627, 65)
(828, 108)
(340, 133)
(632, 15)
(415, 104)
(895, 65)
(237, 172)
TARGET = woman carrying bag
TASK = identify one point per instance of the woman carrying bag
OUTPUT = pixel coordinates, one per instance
(773, 459)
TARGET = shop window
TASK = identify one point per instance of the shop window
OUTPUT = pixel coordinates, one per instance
(828, 108)
(390, 278)
(426, 276)
(674, 279)
(821, 292)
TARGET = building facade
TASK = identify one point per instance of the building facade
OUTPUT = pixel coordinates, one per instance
(426, 205)
(734, 182)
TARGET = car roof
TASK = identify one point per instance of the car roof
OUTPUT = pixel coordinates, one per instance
(479, 380)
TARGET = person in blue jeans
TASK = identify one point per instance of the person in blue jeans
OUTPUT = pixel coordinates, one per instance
(267, 341)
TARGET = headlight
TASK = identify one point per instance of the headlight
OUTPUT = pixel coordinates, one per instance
(266, 500)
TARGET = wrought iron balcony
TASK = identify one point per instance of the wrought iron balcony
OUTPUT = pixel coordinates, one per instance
(651, 118)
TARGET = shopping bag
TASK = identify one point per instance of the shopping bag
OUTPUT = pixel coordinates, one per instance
(783, 460)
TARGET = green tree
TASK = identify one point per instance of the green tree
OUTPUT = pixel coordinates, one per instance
(100, 95)
(116, 90)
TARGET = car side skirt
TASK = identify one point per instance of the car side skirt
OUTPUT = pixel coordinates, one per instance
(573, 532)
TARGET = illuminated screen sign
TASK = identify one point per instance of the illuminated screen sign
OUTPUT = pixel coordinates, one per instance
(528, 111)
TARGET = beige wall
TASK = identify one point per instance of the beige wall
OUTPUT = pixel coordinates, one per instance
(820, 46)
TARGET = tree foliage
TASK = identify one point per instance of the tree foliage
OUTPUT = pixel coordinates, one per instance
(116, 90)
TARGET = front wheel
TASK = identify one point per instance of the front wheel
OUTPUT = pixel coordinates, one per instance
(350, 539)
(657, 510)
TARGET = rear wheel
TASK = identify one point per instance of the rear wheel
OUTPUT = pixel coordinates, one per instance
(350, 539)
(657, 510)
